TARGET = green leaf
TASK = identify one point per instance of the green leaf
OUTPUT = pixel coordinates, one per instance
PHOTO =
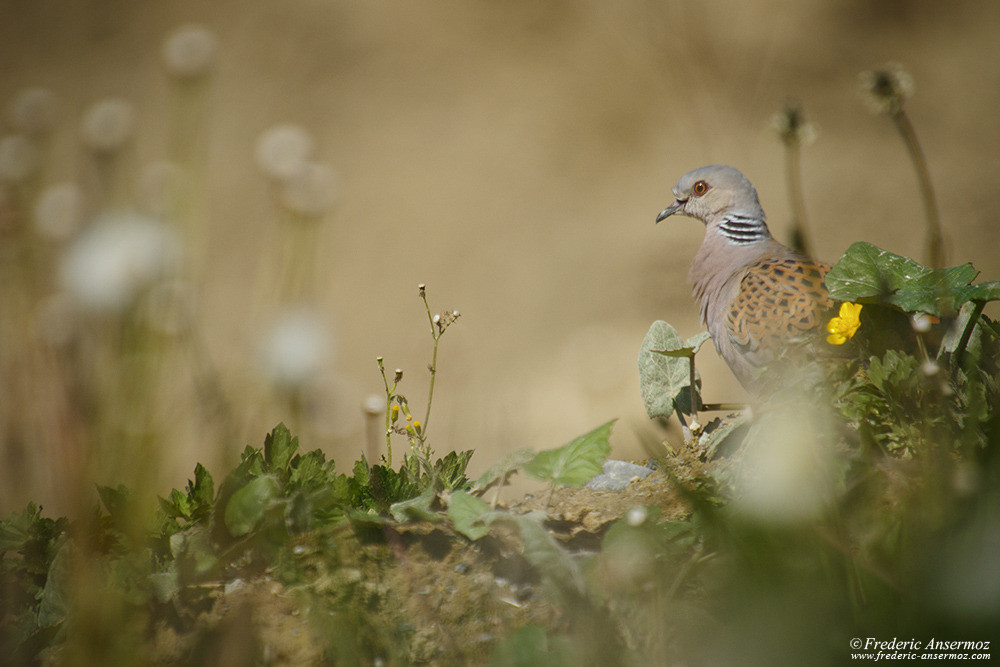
(503, 469)
(576, 462)
(279, 447)
(415, 509)
(467, 512)
(246, 507)
(690, 347)
(663, 378)
(201, 491)
(868, 274)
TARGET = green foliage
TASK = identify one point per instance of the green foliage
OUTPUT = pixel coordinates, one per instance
(867, 274)
(576, 462)
(665, 370)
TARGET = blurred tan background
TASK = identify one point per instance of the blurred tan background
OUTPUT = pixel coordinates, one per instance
(512, 155)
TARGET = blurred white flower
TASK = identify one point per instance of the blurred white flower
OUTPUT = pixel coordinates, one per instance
(312, 190)
(636, 516)
(885, 90)
(34, 111)
(283, 150)
(374, 404)
(189, 51)
(785, 475)
(58, 211)
(18, 158)
(295, 347)
(114, 260)
(108, 125)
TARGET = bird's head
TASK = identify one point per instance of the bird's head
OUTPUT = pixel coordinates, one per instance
(709, 193)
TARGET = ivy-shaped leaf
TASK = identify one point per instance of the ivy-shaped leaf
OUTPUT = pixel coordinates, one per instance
(469, 515)
(665, 370)
(868, 274)
(576, 462)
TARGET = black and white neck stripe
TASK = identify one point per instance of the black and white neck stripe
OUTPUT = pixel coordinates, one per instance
(743, 230)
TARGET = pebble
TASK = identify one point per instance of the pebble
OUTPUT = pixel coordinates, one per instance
(617, 476)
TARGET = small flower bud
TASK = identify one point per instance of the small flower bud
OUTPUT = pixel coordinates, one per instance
(422, 289)
(394, 415)
(399, 375)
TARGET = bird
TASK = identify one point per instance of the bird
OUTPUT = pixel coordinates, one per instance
(761, 301)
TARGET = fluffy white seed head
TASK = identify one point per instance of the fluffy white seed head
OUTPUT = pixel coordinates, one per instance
(108, 125)
(115, 260)
(295, 348)
(312, 190)
(189, 51)
(58, 211)
(283, 150)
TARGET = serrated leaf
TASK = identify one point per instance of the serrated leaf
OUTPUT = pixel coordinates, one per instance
(468, 513)
(280, 447)
(246, 507)
(202, 489)
(502, 469)
(664, 379)
(576, 462)
(867, 274)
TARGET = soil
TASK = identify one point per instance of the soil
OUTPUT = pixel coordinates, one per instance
(430, 595)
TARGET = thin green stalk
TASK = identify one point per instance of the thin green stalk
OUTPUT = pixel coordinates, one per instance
(935, 240)
(793, 172)
(436, 335)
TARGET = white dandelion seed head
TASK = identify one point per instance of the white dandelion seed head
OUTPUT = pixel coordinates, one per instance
(115, 260)
(785, 473)
(921, 322)
(930, 368)
(884, 90)
(108, 125)
(34, 111)
(295, 348)
(374, 404)
(636, 516)
(18, 158)
(58, 211)
(312, 190)
(283, 150)
(189, 51)
(792, 126)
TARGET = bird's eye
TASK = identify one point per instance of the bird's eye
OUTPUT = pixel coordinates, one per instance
(700, 188)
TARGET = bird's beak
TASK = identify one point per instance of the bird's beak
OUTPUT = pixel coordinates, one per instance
(670, 210)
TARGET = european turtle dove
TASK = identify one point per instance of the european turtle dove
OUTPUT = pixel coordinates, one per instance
(759, 299)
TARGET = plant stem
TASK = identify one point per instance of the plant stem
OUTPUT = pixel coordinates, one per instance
(963, 342)
(388, 411)
(793, 172)
(935, 241)
(436, 335)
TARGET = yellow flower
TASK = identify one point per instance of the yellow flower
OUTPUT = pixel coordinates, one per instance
(843, 327)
